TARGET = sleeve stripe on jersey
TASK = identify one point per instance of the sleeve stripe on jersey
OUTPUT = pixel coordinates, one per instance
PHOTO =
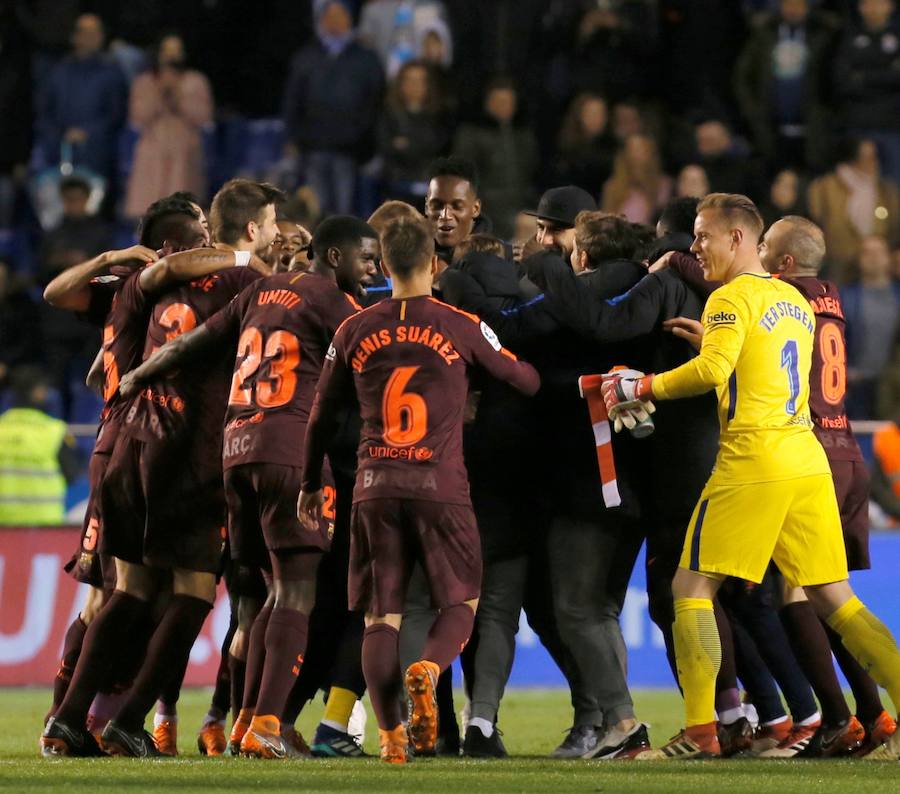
(732, 395)
(475, 319)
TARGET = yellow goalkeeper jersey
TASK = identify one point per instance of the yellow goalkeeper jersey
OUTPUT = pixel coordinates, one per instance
(756, 352)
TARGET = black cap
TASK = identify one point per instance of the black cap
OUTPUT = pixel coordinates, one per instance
(562, 204)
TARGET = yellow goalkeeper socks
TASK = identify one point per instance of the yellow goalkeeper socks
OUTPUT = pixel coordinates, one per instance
(338, 708)
(698, 654)
(871, 644)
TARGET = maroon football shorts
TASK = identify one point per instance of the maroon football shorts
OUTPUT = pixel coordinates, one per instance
(122, 503)
(387, 536)
(851, 486)
(262, 512)
(185, 498)
(88, 565)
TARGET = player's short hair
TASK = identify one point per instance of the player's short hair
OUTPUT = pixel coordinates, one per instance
(737, 209)
(407, 245)
(805, 241)
(678, 215)
(166, 219)
(237, 203)
(480, 244)
(604, 236)
(459, 167)
(391, 211)
(339, 231)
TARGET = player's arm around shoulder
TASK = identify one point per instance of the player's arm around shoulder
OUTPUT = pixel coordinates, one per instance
(487, 353)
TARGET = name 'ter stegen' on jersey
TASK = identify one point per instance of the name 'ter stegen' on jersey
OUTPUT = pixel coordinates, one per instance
(760, 332)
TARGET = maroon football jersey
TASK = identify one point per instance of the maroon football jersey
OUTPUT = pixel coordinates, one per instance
(284, 324)
(188, 403)
(828, 374)
(409, 362)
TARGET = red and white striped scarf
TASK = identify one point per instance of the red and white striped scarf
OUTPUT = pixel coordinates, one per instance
(589, 388)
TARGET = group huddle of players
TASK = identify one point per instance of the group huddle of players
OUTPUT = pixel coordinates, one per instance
(261, 425)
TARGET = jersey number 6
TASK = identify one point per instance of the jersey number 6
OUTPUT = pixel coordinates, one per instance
(404, 414)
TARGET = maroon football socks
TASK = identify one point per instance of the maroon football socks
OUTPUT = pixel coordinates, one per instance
(256, 658)
(449, 634)
(71, 650)
(169, 650)
(285, 646)
(381, 668)
(100, 651)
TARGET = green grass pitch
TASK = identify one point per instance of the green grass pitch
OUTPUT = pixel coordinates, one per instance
(533, 722)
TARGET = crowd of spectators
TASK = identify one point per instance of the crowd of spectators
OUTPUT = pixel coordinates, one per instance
(108, 106)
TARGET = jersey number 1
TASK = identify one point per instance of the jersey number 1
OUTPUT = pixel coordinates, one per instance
(789, 361)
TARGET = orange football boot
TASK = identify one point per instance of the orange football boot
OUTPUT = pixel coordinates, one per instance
(394, 745)
(877, 734)
(263, 739)
(165, 736)
(768, 737)
(421, 683)
(211, 740)
(240, 727)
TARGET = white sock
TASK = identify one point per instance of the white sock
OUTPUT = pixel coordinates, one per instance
(730, 716)
(334, 724)
(770, 723)
(159, 719)
(812, 719)
(211, 718)
(483, 725)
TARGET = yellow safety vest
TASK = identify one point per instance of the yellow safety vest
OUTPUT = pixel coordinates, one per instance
(32, 486)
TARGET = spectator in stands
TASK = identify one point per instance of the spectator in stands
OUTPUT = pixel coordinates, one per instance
(20, 330)
(867, 80)
(37, 455)
(170, 105)
(396, 29)
(82, 103)
(627, 120)
(723, 158)
(872, 311)
(586, 146)
(411, 133)
(781, 84)
(504, 152)
(638, 188)
(613, 44)
(15, 120)
(692, 181)
(331, 104)
(787, 196)
(70, 344)
(853, 202)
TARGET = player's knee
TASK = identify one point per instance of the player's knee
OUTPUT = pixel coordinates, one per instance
(197, 584)
(92, 603)
(137, 581)
(297, 595)
(248, 609)
(692, 584)
(393, 620)
(239, 644)
(828, 598)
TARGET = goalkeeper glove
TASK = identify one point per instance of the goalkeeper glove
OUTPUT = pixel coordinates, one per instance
(625, 389)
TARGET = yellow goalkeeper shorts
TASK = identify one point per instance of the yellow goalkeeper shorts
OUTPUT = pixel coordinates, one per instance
(737, 529)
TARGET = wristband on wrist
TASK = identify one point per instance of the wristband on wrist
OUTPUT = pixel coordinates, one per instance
(241, 258)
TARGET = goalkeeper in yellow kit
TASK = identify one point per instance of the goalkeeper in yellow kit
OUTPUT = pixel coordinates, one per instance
(770, 495)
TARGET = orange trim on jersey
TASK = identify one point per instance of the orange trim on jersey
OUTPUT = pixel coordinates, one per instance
(402, 310)
(352, 301)
(475, 319)
(297, 278)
